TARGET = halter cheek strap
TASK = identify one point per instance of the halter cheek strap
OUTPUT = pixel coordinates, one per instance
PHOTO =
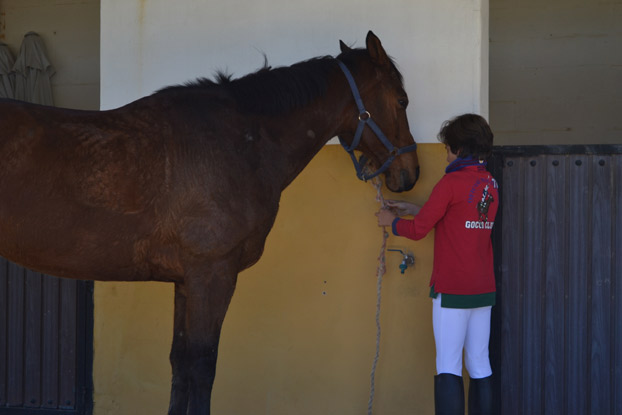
(365, 118)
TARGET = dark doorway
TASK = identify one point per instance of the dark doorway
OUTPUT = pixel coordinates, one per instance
(46, 343)
(557, 328)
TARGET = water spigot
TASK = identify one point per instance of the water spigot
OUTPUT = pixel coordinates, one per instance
(407, 260)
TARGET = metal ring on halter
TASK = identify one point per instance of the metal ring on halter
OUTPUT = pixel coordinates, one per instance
(364, 116)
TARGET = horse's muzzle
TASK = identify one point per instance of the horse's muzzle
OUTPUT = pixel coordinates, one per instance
(406, 182)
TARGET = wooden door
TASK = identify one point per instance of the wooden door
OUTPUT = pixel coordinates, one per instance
(46, 326)
(557, 328)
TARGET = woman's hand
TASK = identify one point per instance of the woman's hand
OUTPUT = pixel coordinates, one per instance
(403, 208)
(385, 217)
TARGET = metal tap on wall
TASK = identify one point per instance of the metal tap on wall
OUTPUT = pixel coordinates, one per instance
(407, 259)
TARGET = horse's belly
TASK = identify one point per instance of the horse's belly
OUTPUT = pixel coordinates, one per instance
(58, 258)
(60, 240)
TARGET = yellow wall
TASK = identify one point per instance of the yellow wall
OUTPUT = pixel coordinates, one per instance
(299, 337)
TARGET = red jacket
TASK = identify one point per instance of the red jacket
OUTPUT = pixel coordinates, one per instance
(462, 209)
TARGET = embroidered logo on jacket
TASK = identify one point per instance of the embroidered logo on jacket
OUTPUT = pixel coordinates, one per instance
(484, 204)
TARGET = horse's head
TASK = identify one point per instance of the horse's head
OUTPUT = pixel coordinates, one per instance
(378, 126)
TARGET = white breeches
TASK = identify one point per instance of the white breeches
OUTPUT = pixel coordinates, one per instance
(456, 329)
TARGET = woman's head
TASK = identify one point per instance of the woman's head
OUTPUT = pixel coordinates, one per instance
(467, 135)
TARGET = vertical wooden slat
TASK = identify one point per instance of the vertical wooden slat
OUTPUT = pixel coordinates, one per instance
(67, 382)
(601, 285)
(532, 336)
(50, 352)
(577, 351)
(84, 342)
(3, 329)
(616, 384)
(32, 346)
(555, 290)
(15, 352)
(495, 167)
(511, 289)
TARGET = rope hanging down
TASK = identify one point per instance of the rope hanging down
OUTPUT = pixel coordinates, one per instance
(377, 183)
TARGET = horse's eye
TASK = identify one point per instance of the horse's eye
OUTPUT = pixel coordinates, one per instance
(403, 102)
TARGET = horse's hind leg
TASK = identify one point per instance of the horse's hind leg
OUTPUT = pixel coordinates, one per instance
(179, 388)
(207, 300)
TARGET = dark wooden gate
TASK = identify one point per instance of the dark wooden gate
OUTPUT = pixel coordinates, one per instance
(46, 327)
(557, 329)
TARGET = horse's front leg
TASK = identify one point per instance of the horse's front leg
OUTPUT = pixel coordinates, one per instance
(207, 298)
(179, 388)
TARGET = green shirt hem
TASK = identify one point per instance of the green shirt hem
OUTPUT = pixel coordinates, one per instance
(465, 301)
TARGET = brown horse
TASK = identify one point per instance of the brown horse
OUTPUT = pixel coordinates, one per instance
(184, 185)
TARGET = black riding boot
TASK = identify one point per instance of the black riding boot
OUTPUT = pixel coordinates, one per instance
(480, 396)
(448, 394)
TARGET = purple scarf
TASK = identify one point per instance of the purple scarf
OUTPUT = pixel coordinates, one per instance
(460, 163)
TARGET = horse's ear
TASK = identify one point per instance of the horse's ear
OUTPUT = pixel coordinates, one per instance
(376, 51)
(344, 48)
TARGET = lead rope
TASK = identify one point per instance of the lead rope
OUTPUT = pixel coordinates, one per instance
(377, 183)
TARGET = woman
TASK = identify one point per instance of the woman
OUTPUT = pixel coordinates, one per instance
(462, 210)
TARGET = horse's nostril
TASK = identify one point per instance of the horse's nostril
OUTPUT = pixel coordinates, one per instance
(406, 181)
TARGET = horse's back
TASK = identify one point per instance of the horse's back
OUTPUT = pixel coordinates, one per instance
(116, 189)
(75, 183)
(101, 158)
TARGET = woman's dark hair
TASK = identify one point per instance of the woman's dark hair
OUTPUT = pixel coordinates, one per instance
(467, 135)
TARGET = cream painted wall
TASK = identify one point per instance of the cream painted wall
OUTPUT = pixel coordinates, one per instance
(441, 46)
(299, 336)
(75, 57)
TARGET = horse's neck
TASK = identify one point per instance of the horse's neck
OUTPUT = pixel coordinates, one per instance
(303, 134)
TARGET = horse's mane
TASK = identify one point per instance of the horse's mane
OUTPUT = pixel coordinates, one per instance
(273, 91)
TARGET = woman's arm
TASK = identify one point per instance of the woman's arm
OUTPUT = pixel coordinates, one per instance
(403, 208)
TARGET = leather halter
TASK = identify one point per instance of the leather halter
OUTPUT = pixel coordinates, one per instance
(365, 118)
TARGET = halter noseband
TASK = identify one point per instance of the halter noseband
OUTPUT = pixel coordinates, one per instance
(366, 119)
